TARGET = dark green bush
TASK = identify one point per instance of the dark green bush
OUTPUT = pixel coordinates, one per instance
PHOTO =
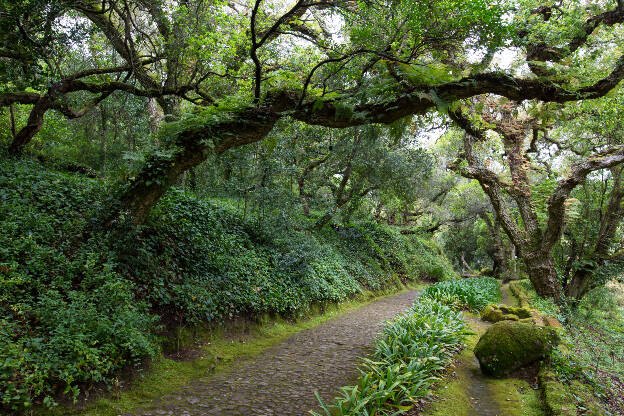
(78, 305)
(68, 315)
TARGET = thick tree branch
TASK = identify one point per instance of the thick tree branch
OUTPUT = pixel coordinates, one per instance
(556, 203)
(543, 52)
(253, 123)
(18, 98)
(111, 70)
(489, 181)
(418, 100)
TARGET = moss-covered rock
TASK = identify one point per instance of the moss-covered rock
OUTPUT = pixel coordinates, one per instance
(552, 322)
(487, 271)
(509, 345)
(521, 313)
(497, 313)
(523, 297)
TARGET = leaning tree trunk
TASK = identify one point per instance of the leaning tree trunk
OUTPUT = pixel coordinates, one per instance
(32, 127)
(189, 148)
(580, 283)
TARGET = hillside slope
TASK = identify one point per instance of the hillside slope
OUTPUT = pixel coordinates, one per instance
(79, 303)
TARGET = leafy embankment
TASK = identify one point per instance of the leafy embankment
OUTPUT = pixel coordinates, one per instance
(78, 306)
(586, 373)
(413, 349)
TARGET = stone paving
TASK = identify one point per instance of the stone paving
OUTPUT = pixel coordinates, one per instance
(282, 380)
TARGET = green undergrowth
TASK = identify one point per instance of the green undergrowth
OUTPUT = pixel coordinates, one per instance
(413, 350)
(80, 304)
(524, 291)
(584, 373)
(473, 293)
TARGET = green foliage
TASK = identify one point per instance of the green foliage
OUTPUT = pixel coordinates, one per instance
(79, 303)
(596, 330)
(473, 293)
(589, 359)
(409, 355)
(545, 306)
(432, 264)
(68, 315)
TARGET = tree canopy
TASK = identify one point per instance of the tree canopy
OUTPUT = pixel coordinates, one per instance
(537, 81)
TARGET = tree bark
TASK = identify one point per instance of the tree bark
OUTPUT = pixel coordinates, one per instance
(497, 251)
(12, 120)
(542, 273)
(580, 283)
(155, 115)
(32, 127)
(255, 122)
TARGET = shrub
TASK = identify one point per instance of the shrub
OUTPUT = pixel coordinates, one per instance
(413, 349)
(432, 265)
(68, 315)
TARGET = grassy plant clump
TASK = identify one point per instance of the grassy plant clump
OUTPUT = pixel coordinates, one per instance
(409, 356)
(473, 294)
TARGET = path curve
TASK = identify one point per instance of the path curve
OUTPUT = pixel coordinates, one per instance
(282, 380)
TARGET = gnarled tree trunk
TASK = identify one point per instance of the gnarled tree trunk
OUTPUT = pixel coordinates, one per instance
(542, 273)
(533, 242)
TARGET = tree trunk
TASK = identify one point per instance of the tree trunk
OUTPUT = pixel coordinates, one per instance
(497, 251)
(580, 284)
(583, 280)
(189, 149)
(103, 138)
(542, 273)
(12, 118)
(32, 127)
(466, 265)
(323, 220)
(155, 115)
(511, 271)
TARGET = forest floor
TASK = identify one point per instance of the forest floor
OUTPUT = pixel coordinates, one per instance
(465, 391)
(283, 379)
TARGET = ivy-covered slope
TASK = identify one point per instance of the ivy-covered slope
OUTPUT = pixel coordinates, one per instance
(77, 307)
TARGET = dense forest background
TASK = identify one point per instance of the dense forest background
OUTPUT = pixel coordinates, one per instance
(168, 163)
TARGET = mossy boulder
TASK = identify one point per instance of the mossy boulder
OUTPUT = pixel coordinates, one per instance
(518, 291)
(509, 345)
(521, 313)
(487, 271)
(497, 313)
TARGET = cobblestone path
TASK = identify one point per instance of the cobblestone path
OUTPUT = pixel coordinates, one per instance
(282, 380)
